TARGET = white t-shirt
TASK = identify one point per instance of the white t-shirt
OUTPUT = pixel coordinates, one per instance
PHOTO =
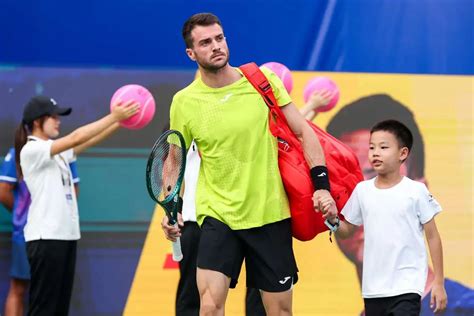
(191, 174)
(395, 258)
(53, 211)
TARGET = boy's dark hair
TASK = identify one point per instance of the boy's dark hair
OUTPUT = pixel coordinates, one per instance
(401, 132)
(199, 19)
(367, 111)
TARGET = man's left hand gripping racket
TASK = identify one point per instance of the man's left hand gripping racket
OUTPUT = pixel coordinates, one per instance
(164, 176)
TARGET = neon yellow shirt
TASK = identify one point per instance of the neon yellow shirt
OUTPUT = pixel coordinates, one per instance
(239, 180)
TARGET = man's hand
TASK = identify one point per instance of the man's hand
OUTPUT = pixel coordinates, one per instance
(171, 232)
(439, 298)
(324, 203)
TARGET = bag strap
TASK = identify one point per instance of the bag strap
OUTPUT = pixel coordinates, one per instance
(258, 80)
(256, 77)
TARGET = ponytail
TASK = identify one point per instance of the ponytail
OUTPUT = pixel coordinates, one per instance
(21, 135)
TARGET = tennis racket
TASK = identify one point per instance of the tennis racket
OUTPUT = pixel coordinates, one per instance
(164, 176)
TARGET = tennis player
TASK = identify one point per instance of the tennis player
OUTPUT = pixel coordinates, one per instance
(241, 204)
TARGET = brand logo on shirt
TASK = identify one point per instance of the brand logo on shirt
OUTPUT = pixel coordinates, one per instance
(226, 97)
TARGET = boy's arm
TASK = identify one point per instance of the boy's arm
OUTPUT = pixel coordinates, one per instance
(438, 292)
(342, 229)
(345, 230)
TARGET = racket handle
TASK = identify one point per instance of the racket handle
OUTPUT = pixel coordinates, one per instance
(177, 253)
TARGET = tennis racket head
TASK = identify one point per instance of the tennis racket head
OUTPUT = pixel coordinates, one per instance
(165, 170)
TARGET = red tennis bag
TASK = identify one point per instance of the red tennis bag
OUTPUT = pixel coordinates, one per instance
(342, 163)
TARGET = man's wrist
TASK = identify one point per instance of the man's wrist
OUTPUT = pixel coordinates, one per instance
(320, 178)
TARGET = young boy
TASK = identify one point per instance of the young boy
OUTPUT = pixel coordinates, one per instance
(394, 211)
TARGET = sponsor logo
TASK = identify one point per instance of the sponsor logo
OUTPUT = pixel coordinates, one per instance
(226, 97)
(284, 280)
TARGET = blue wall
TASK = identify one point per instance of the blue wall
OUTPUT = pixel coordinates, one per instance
(401, 36)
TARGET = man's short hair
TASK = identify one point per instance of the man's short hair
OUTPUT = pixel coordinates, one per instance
(199, 19)
(368, 111)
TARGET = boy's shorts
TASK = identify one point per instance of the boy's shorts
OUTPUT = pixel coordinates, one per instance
(268, 252)
(20, 267)
(400, 305)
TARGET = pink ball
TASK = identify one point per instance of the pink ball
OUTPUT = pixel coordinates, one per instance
(283, 73)
(143, 97)
(318, 84)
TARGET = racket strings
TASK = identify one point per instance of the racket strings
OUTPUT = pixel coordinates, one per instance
(166, 167)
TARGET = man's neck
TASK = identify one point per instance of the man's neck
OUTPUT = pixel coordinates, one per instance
(221, 78)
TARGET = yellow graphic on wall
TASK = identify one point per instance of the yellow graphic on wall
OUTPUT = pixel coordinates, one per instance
(442, 107)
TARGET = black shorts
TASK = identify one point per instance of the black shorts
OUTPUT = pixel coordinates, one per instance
(268, 253)
(400, 305)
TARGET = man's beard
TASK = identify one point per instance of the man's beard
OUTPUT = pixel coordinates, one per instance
(208, 67)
